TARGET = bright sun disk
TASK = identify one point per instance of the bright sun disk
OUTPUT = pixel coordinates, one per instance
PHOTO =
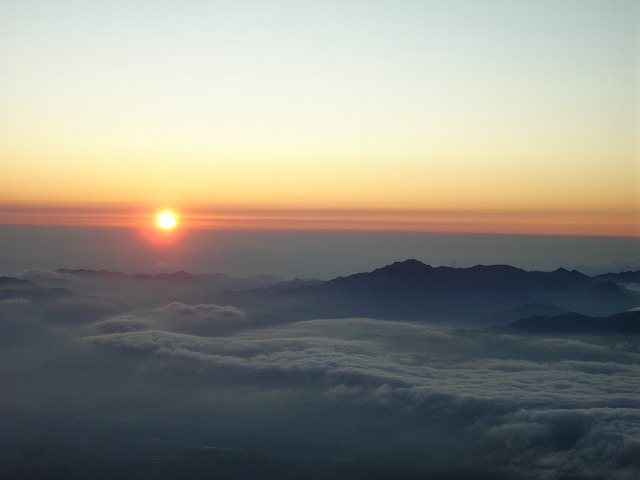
(166, 220)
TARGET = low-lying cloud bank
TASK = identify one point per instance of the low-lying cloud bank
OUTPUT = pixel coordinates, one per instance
(535, 408)
(178, 387)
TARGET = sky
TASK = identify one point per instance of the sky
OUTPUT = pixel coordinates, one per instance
(461, 116)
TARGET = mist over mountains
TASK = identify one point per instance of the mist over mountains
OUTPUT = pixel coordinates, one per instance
(408, 290)
(406, 371)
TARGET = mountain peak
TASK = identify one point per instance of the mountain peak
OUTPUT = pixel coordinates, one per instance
(407, 266)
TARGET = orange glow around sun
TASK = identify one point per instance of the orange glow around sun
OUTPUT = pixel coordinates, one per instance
(162, 229)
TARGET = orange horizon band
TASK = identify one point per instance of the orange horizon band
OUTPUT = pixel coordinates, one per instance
(623, 224)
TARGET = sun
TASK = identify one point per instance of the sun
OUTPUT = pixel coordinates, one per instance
(166, 220)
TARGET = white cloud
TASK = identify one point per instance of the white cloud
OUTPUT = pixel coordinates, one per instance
(546, 411)
(543, 416)
(175, 317)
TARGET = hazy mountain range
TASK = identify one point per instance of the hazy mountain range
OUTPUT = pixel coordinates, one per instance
(408, 290)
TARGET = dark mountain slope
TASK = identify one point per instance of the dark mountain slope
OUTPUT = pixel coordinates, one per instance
(504, 317)
(608, 298)
(622, 277)
(626, 323)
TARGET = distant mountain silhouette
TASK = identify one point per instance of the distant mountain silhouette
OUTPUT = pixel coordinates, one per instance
(607, 298)
(57, 305)
(622, 277)
(11, 282)
(179, 275)
(147, 290)
(411, 290)
(12, 288)
(414, 273)
(407, 290)
(504, 317)
(626, 323)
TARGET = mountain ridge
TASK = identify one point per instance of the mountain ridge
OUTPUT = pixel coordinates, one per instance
(403, 290)
(412, 290)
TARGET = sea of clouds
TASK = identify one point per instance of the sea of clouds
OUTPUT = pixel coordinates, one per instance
(92, 389)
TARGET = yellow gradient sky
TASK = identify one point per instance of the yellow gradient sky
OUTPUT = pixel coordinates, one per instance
(494, 116)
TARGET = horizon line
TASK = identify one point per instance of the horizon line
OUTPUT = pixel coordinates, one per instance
(561, 222)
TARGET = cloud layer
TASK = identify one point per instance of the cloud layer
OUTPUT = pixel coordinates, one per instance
(540, 408)
(175, 317)
(184, 390)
